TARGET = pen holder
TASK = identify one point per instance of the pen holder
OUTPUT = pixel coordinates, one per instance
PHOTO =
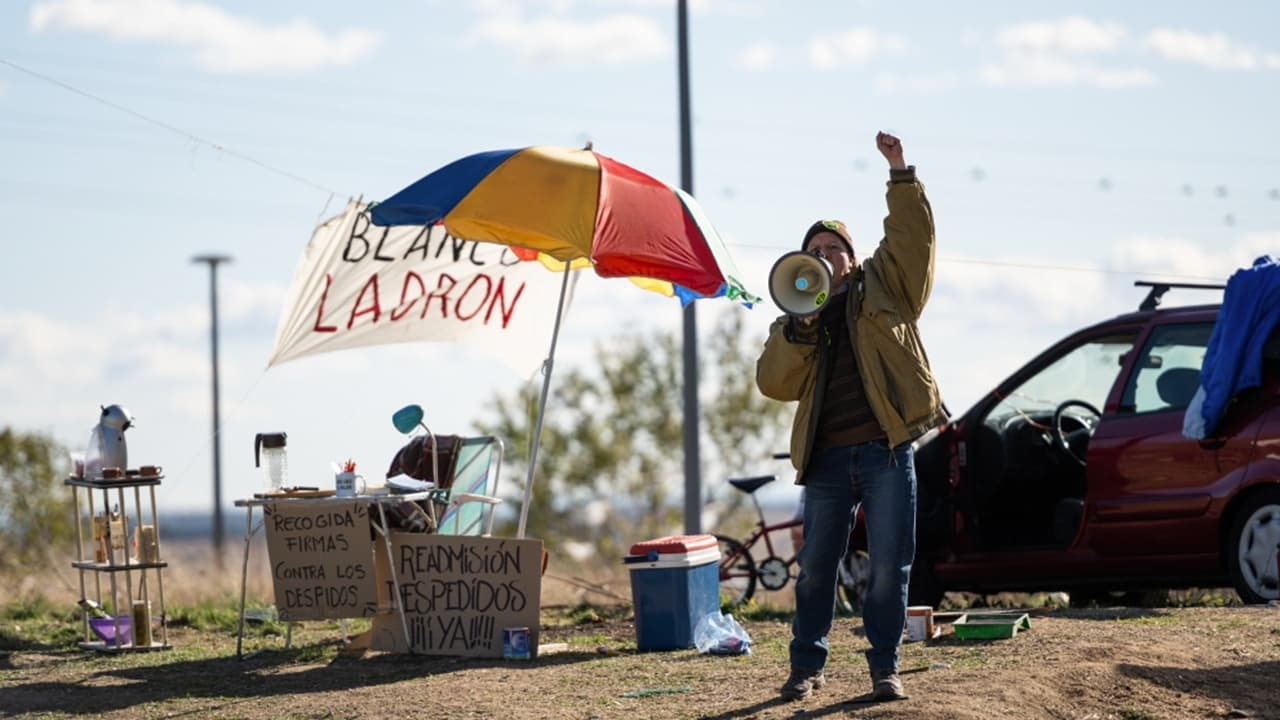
(348, 484)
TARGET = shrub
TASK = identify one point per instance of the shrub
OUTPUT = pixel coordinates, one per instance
(37, 514)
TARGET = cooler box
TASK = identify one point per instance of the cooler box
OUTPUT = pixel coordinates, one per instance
(675, 581)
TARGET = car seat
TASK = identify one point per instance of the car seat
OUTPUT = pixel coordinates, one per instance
(1177, 386)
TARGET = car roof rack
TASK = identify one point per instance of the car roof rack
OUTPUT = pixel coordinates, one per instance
(1158, 289)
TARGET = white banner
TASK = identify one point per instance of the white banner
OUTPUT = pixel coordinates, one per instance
(359, 284)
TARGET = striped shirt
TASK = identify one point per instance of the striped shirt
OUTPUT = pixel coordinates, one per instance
(845, 418)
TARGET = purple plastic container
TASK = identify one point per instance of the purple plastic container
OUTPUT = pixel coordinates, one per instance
(105, 629)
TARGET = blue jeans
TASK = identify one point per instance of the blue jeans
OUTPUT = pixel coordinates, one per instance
(883, 480)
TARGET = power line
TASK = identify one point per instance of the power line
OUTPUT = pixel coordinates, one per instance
(1037, 266)
(171, 128)
(1070, 268)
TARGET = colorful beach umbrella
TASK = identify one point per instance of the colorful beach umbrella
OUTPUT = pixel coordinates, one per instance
(573, 208)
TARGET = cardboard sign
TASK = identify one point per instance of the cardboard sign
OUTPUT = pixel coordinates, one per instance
(459, 592)
(321, 559)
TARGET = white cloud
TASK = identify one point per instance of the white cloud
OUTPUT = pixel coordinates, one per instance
(853, 47)
(1257, 244)
(514, 7)
(615, 39)
(1212, 50)
(50, 368)
(222, 43)
(696, 7)
(1175, 259)
(1021, 69)
(1069, 35)
(1048, 53)
(759, 56)
(1017, 306)
(57, 347)
(1011, 313)
(919, 83)
(241, 301)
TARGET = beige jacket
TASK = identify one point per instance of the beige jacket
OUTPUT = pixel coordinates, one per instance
(887, 294)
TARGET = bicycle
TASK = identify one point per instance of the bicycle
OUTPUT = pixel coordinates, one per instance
(740, 572)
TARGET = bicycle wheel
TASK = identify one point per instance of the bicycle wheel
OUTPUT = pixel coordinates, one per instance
(852, 574)
(737, 572)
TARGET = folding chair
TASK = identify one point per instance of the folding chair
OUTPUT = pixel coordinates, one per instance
(472, 498)
(466, 482)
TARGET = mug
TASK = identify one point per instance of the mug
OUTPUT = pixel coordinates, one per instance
(348, 484)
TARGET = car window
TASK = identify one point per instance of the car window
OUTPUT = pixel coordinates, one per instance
(1086, 372)
(1167, 372)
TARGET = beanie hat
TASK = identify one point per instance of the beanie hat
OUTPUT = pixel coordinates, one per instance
(834, 226)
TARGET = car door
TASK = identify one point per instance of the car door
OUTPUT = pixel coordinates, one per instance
(1152, 491)
(1015, 470)
(1018, 486)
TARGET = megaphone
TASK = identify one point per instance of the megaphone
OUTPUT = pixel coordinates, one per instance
(800, 283)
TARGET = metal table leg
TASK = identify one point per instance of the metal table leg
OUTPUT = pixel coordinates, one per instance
(249, 530)
(395, 581)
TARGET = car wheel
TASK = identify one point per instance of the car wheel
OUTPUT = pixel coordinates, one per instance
(1253, 545)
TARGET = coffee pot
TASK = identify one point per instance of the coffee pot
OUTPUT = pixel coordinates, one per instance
(107, 447)
(271, 448)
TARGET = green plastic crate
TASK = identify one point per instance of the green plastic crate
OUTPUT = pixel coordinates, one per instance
(990, 627)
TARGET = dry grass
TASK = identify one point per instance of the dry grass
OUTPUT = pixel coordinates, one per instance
(197, 574)
(1101, 664)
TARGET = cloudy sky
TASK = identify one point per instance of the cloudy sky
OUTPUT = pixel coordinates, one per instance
(1069, 148)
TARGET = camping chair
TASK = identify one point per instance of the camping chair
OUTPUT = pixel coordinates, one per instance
(463, 472)
(472, 496)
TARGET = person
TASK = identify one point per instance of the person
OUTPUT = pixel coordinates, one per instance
(865, 390)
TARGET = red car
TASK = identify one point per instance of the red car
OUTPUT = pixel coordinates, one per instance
(1074, 473)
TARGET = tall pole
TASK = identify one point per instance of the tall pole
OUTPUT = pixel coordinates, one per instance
(692, 458)
(213, 262)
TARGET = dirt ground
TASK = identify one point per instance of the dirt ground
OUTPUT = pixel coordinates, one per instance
(1098, 664)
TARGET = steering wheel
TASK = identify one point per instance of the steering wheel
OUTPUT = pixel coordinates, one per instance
(1064, 438)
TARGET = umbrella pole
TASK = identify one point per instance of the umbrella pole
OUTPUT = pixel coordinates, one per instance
(542, 404)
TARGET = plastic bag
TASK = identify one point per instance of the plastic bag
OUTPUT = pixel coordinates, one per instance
(719, 634)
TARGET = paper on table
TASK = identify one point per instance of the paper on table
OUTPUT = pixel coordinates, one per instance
(406, 484)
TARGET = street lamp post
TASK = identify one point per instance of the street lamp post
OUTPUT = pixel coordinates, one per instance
(213, 261)
(692, 457)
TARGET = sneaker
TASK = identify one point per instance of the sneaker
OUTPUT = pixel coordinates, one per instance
(802, 683)
(886, 685)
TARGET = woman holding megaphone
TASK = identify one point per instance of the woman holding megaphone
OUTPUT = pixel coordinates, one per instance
(854, 362)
